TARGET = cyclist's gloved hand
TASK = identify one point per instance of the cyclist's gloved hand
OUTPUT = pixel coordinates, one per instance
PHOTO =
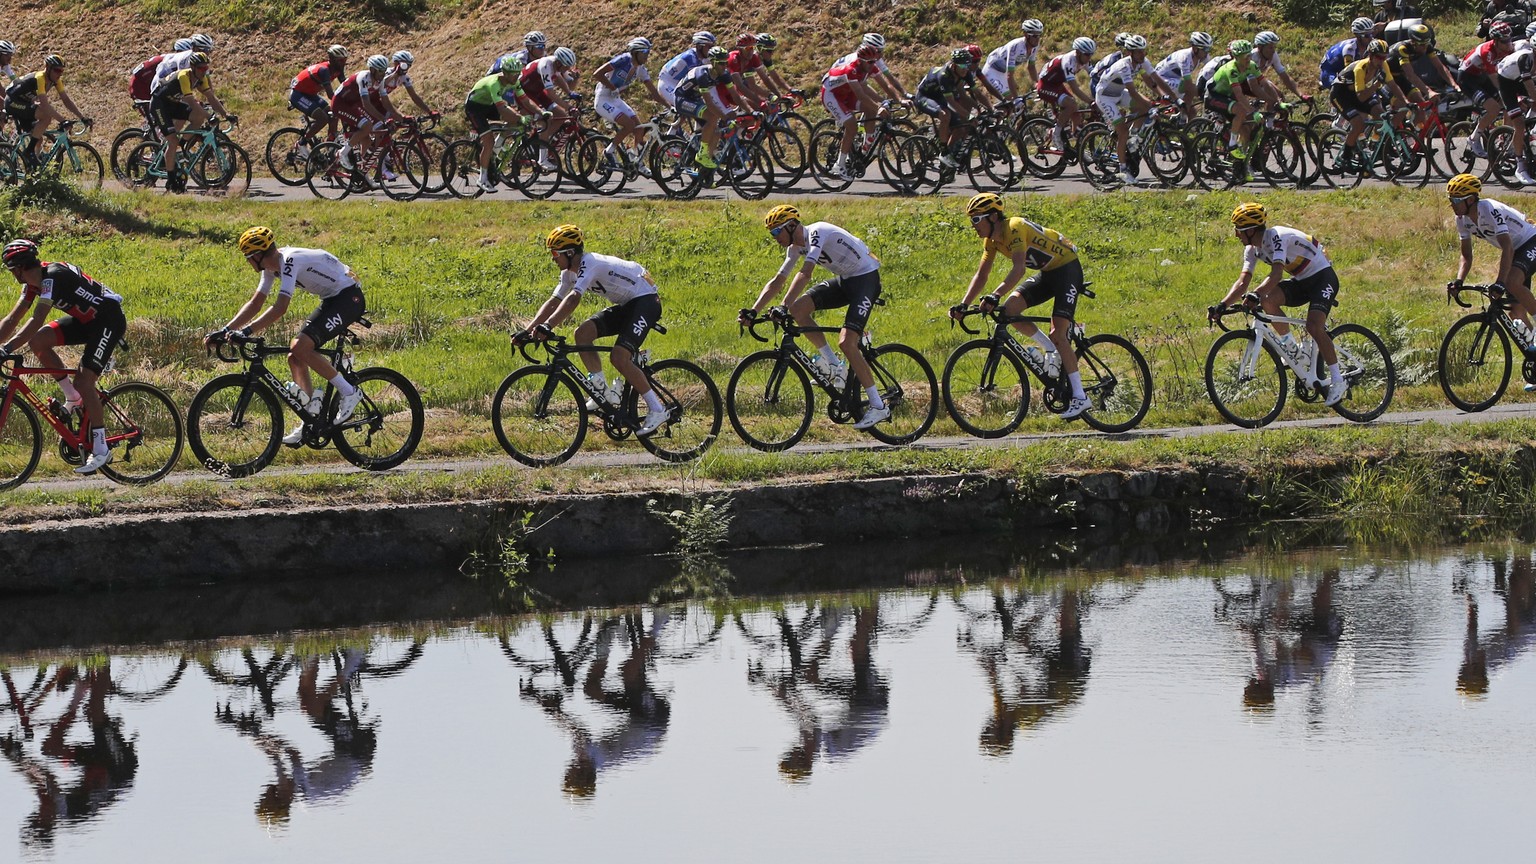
(746, 316)
(217, 337)
(779, 314)
(521, 337)
(957, 311)
(1496, 288)
(542, 332)
(989, 302)
(1213, 312)
(233, 118)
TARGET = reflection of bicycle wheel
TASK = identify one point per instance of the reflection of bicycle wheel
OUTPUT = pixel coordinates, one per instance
(145, 678)
(389, 657)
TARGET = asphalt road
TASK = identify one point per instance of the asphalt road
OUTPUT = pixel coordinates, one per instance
(632, 456)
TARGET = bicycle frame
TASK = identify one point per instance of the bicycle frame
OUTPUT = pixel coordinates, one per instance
(76, 439)
(61, 138)
(255, 353)
(559, 360)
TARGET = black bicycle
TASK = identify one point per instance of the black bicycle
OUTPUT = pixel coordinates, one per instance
(986, 386)
(769, 397)
(541, 411)
(1474, 361)
(235, 424)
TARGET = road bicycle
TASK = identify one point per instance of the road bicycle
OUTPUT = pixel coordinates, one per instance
(741, 163)
(206, 156)
(882, 146)
(1156, 139)
(986, 381)
(984, 148)
(235, 422)
(1245, 370)
(770, 401)
(60, 155)
(1280, 152)
(1387, 149)
(143, 428)
(1474, 362)
(129, 139)
(541, 412)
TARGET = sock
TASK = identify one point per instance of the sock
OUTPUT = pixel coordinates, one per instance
(826, 354)
(653, 402)
(1333, 372)
(842, 162)
(609, 151)
(71, 395)
(98, 440)
(341, 385)
(1046, 344)
(874, 397)
(1077, 386)
(485, 176)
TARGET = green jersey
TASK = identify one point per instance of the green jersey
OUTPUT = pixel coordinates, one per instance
(1229, 76)
(490, 89)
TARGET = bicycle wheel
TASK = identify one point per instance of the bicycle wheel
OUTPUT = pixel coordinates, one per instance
(673, 170)
(1279, 158)
(434, 146)
(1443, 150)
(225, 167)
(403, 172)
(527, 175)
(80, 165)
(895, 167)
(825, 148)
(1117, 380)
(1096, 156)
(985, 389)
(694, 412)
(908, 387)
(596, 169)
(1474, 363)
(1456, 158)
(325, 175)
(1341, 169)
(1043, 155)
(1245, 379)
(142, 167)
(1408, 160)
(122, 146)
(919, 155)
(1165, 153)
(21, 444)
(1310, 166)
(144, 428)
(460, 169)
(990, 163)
(769, 401)
(1209, 163)
(789, 157)
(1367, 369)
(750, 172)
(285, 158)
(539, 416)
(386, 426)
(234, 428)
(1502, 165)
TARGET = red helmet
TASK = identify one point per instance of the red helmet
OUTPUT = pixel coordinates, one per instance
(746, 40)
(975, 51)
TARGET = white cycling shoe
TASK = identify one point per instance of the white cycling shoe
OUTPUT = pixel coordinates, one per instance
(1337, 390)
(345, 405)
(94, 463)
(1076, 407)
(873, 416)
(296, 437)
(653, 421)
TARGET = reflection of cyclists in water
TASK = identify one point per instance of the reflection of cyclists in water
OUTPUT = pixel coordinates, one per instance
(74, 774)
(333, 705)
(620, 655)
(1514, 635)
(1291, 646)
(1031, 650)
(827, 679)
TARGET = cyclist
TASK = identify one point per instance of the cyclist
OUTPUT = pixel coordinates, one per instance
(698, 96)
(28, 101)
(1479, 80)
(742, 67)
(487, 103)
(1266, 56)
(398, 76)
(1105, 62)
(1022, 51)
(142, 76)
(1117, 94)
(1059, 278)
(1230, 92)
(304, 91)
(543, 81)
(883, 76)
(613, 78)
(1505, 228)
(976, 84)
(767, 44)
(941, 86)
(534, 45)
(636, 309)
(360, 115)
(95, 321)
(673, 70)
(844, 94)
(1515, 84)
(341, 304)
(178, 100)
(1357, 91)
(1058, 85)
(7, 53)
(1345, 51)
(1290, 253)
(856, 285)
(1178, 71)
(177, 61)
(1401, 56)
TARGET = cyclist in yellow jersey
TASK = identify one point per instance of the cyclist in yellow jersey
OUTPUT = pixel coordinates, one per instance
(1060, 278)
(29, 102)
(1356, 92)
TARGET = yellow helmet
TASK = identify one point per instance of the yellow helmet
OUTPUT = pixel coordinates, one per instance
(1249, 215)
(564, 237)
(257, 239)
(986, 202)
(1463, 185)
(780, 215)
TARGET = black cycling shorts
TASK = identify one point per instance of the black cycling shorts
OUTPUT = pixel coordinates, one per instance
(1320, 291)
(1479, 87)
(630, 321)
(334, 314)
(1063, 284)
(168, 111)
(481, 116)
(930, 104)
(858, 293)
(1349, 104)
(25, 115)
(1525, 260)
(100, 335)
(1511, 92)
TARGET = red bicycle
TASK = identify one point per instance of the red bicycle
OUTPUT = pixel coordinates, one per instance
(143, 427)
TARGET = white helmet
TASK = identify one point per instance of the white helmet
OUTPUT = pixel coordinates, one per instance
(338, 52)
(1032, 26)
(1362, 26)
(1266, 37)
(182, 45)
(1120, 39)
(703, 37)
(1084, 45)
(378, 64)
(1135, 43)
(1201, 39)
(534, 39)
(565, 57)
(404, 57)
(201, 42)
(639, 43)
(7, 47)
(873, 40)
(1530, 29)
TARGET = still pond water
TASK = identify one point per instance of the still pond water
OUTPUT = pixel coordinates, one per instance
(1329, 705)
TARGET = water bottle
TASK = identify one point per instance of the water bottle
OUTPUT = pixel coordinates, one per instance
(1522, 332)
(295, 394)
(60, 410)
